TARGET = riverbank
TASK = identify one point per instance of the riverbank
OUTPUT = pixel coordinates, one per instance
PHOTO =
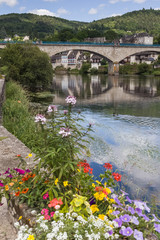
(10, 146)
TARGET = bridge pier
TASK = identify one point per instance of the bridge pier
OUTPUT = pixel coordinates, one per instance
(113, 68)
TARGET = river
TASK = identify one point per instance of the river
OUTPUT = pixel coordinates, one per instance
(125, 112)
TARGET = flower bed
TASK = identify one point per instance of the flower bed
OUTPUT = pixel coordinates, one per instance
(69, 201)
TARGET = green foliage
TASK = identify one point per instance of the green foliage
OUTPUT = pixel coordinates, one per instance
(16, 115)
(128, 68)
(144, 68)
(27, 65)
(94, 71)
(85, 67)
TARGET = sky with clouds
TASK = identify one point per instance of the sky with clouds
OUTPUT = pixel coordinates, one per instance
(80, 10)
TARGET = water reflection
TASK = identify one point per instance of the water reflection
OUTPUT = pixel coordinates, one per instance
(126, 113)
(101, 89)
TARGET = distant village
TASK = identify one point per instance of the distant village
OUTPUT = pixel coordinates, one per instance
(75, 59)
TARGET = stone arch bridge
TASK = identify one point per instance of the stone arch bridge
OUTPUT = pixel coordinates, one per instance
(114, 53)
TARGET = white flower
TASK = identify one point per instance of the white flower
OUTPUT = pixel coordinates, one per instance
(16, 224)
(33, 212)
(57, 207)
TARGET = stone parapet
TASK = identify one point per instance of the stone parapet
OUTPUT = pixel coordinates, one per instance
(2, 96)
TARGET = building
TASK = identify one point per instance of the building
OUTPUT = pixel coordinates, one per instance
(138, 38)
(26, 38)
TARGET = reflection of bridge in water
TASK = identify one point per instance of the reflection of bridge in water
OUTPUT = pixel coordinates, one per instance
(101, 89)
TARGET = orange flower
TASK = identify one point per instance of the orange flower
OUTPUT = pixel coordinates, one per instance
(18, 155)
(25, 190)
(17, 193)
(20, 182)
(11, 184)
(6, 187)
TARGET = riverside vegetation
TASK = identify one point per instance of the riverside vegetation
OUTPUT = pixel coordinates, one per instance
(69, 202)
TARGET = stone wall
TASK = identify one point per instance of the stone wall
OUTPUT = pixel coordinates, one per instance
(2, 97)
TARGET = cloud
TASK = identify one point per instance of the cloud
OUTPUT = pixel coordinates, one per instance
(21, 9)
(62, 11)
(139, 1)
(49, 0)
(92, 11)
(102, 5)
(10, 3)
(43, 12)
(116, 14)
(156, 8)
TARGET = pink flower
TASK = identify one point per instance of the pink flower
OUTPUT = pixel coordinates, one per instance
(47, 217)
(55, 202)
(64, 132)
(44, 211)
(45, 196)
(40, 118)
(52, 214)
(71, 100)
(52, 108)
(20, 171)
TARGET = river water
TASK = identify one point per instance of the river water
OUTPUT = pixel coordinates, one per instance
(125, 112)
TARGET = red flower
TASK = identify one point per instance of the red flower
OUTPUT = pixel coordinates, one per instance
(117, 176)
(108, 166)
(17, 193)
(18, 155)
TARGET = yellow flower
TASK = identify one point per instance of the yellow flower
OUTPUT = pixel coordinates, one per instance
(109, 212)
(11, 184)
(20, 218)
(6, 187)
(30, 155)
(94, 208)
(99, 196)
(65, 183)
(31, 237)
(56, 181)
(78, 169)
(93, 185)
(101, 216)
(98, 182)
(20, 182)
(111, 200)
(108, 190)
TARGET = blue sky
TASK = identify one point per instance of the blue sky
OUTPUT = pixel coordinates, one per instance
(80, 10)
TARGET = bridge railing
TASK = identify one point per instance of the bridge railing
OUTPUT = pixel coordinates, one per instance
(82, 43)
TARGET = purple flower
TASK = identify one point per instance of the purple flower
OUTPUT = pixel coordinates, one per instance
(157, 227)
(131, 210)
(71, 100)
(155, 218)
(139, 204)
(129, 200)
(92, 201)
(124, 193)
(146, 207)
(10, 176)
(139, 212)
(7, 171)
(1, 184)
(110, 232)
(145, 218)
(115, 212)
(138, 235)
(125, 218)
(20, 171)
(126, 231)
(135, 220)
(27, 170)
(117, 201)
(119, 221)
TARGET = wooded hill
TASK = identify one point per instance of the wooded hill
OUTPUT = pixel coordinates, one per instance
(58, 29)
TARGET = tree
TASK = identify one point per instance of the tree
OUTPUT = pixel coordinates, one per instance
(28, 65)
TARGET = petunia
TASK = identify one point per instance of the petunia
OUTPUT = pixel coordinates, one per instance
(138, 235)
(157, 227)
(119, 221)
(134, 220)
(125, 218)
(126, 231)
(131, 210)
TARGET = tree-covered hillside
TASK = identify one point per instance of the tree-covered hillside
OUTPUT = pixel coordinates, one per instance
(58, 29)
